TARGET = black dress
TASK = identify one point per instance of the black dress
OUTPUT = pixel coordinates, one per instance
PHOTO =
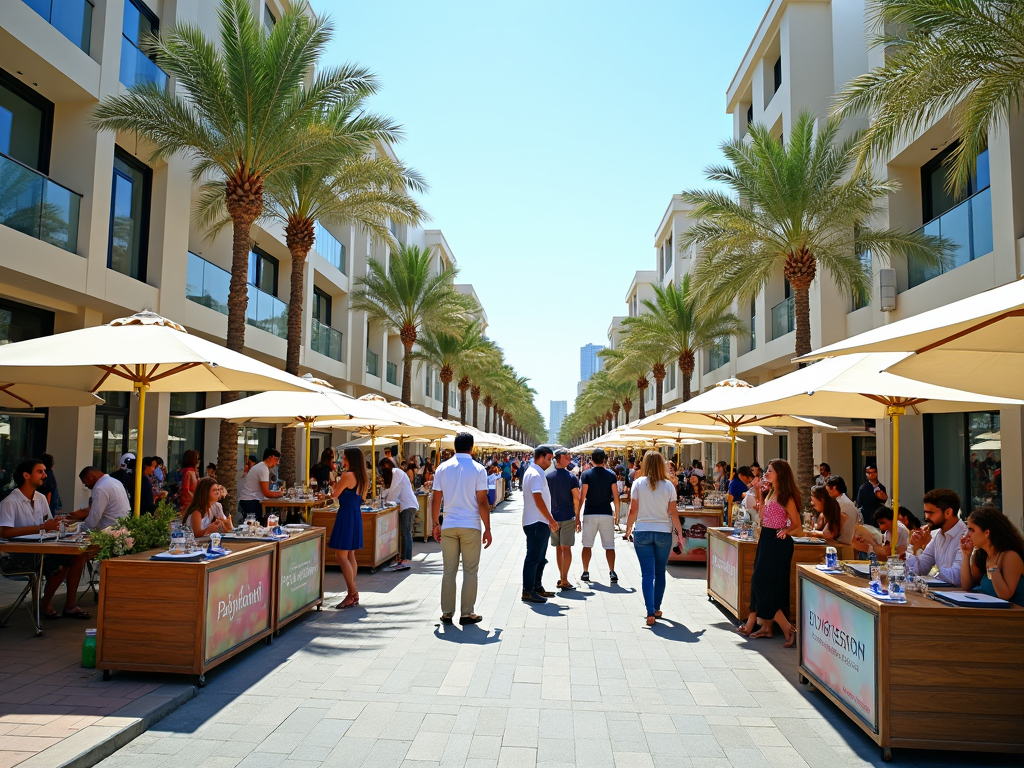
(770, 581)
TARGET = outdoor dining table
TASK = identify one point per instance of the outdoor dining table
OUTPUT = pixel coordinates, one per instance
(44, 548)
(306, 505)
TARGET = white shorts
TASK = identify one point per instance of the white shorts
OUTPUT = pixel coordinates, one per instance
(595, 524)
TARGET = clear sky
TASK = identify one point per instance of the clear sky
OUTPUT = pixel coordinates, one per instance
(553, 134)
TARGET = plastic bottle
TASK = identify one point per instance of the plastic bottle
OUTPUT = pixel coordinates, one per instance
(876, 574)
(89, 649)
(896, 588)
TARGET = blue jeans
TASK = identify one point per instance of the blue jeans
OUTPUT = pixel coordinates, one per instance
(405, 520)
(652, 550)
(537, 535)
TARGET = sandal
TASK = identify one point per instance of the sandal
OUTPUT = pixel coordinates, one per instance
(348, 602)
(762, 632)
(77, 613)
(742, 629)
(790, 638)
(50, 615)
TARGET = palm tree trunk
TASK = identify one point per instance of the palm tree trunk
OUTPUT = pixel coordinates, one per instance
(659, 385)
(463, 401)
(804, 435)
(289, 466)
(475, 393)
(408, 336)
(687, 364)
(444, 403)
(641, 408)
(487, 417)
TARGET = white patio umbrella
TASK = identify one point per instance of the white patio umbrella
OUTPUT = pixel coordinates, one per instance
(142, 353)
(858, 387)
(975, 344)
(39, 396)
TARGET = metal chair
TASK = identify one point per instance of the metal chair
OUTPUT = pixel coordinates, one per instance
(30, 577)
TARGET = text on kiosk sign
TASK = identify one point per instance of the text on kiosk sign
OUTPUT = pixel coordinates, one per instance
(245, 598)
(836, 635)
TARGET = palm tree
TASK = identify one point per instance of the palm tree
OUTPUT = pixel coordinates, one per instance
(795, 207)
(960, 57)
(654, 357)
(406, 300)
(440, 350)
(243, 111)
(627, 365)
(674, 322)
(480, 358)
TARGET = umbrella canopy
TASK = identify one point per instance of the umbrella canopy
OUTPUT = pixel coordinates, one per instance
(39, 396)
(141, 353)
(975, 344)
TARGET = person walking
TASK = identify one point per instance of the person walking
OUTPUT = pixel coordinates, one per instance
(462, 484)
(538, 524)
(770, 581)
(565, 508)
(347, 535)
(398, 488)
(599, 497)
(651, 522)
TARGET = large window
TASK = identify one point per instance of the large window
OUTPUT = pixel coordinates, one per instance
(323, 338)
(963, 452)
(777, 75)
(185, 434)
(72, 18)
(263, 269)
(864, 454)
(26, 120)
(111, 437)
(269, 20)
(136, 67)
(331, 248)
(129, 216)
(321, 306)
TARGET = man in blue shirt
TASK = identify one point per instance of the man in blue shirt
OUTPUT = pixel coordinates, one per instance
(740, 485)
(565, 508)
(506, 474)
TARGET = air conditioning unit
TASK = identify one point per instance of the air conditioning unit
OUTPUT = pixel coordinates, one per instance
(887, 289)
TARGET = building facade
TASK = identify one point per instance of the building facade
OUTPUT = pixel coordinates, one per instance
(559, 410)
(91, 230)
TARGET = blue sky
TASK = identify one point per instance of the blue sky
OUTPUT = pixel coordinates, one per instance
(553, 135)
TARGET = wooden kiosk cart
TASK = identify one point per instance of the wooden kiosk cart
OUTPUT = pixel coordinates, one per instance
(421, 522)
(731, 566)
(922, 674)
(184, 617)
(380, 535)
(695, 523)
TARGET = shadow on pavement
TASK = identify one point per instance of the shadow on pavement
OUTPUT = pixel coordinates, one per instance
(613, 589)
(547, 609)
(471, 634)
(667, 629)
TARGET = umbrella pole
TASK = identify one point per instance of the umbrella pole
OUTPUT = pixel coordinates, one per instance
(732, 462)
(895, 411)
(309, 426)
(141, 389)
(373, 463)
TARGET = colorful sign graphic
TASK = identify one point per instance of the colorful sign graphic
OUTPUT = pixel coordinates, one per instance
(722, 564)
(237, 604)
(694, 527)
(387, 535)
(837, 646)
(301, 576)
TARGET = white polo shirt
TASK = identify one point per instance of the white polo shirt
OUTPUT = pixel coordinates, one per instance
(458, 480)
(535, 481)
(109, 502)
(19, 511)
(251, 489)
(401, 491)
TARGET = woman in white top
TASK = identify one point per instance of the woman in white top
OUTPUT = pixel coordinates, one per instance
(398, 488)
(204, 514)
(652, 514)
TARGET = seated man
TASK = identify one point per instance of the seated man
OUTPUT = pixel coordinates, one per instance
(24, 512)
(883, 521)
(939, 540)
(109, 500)
(740, 485)
(836, 487)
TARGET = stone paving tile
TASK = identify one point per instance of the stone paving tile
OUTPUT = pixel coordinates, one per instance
(580, 682)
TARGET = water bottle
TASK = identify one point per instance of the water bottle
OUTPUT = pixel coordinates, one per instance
(64, 530)
(876, 574)
(897, 593)
(89, 649)
(831, 557)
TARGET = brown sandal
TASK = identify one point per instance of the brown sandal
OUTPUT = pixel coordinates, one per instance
(762, 632)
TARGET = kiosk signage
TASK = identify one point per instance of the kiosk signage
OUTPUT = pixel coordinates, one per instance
(238, 603)
(722, 572)
(387, 536)
(301, 572)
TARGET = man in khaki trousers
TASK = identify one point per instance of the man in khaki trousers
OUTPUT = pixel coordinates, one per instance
(462, 483)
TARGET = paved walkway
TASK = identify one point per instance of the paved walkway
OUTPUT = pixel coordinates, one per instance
(580, 681)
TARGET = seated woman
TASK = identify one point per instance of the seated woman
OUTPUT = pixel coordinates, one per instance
(909, 519)
(993, 560)
(204, 514)
(693, 493)
(834, 526)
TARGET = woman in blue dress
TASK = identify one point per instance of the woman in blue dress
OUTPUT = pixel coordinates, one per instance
(993, 556)
(347, 536)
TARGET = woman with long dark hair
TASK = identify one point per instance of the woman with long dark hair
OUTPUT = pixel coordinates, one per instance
(833, 525)
(347, 536)
(204, 514)
(321, 471)
(993, 558)
(769, 584)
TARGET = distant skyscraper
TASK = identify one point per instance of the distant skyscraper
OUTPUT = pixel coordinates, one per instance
(590, 362)
(559, 408)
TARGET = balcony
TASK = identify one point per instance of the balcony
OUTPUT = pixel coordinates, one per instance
(392, 373)
(967, 226)
(332, 249)
(209, 285)
(137, 68)
(72, 18)
(753, 332)
(783, 318)
(326, 341)
(718, 355)
(37, 206)
(372, 363)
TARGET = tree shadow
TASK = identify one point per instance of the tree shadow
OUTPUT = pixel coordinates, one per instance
(471, 634)
(667, 629)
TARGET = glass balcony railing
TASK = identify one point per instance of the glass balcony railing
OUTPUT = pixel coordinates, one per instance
(72, 18)
(137, 68)
(326, 341)
(37, 206)
(209, 285)
(392, 373)
(718, 355)
(372, 363)
(783, 318)
(328, 246)
(967, 226)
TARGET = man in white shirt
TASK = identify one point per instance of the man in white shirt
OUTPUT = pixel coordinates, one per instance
(462, 484)
(836, 487)
(883, 521)
(109, 500)
(940, 539)
(255, 486)
(25, 511)
(538, 524)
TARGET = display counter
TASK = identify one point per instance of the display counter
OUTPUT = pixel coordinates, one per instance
(380, 536)
(921, 675)
(731, 566)
(184, 618)
(694, 523)
(421, 522)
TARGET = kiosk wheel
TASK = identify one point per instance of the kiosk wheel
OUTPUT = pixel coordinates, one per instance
(801, 679)
(106, 675)
(886, 755)
(201, 682)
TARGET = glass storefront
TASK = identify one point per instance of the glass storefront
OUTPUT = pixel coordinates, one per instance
(112, 437)
(185, 434)
(963, 452)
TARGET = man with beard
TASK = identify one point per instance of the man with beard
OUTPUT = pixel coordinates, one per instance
(940, 537)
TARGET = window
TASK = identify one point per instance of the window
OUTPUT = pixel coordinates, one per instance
(784, 447)
(963, 452)
(111, 435)
(72, 18)
(753, 323)
(185, 434)
(777, 74)
(861, 301)
(935, 174)
(392, 373)
(129, 216)
(263, 269)
(269, 20)
(321, 306)
(254, 441)
(332, 249)
(426, 382)
(668, 254)
(750, 114)
(136, 67)
(26, 121)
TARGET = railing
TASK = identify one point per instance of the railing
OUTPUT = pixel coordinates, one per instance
(967, 226)
(372, 363)
(326, 341)
(753, 331)
(392, 373)
(209, 285)
(718, 355)
(37, 206)
(72, 18)
(137, 68)
(330, 247)
(783, 318)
